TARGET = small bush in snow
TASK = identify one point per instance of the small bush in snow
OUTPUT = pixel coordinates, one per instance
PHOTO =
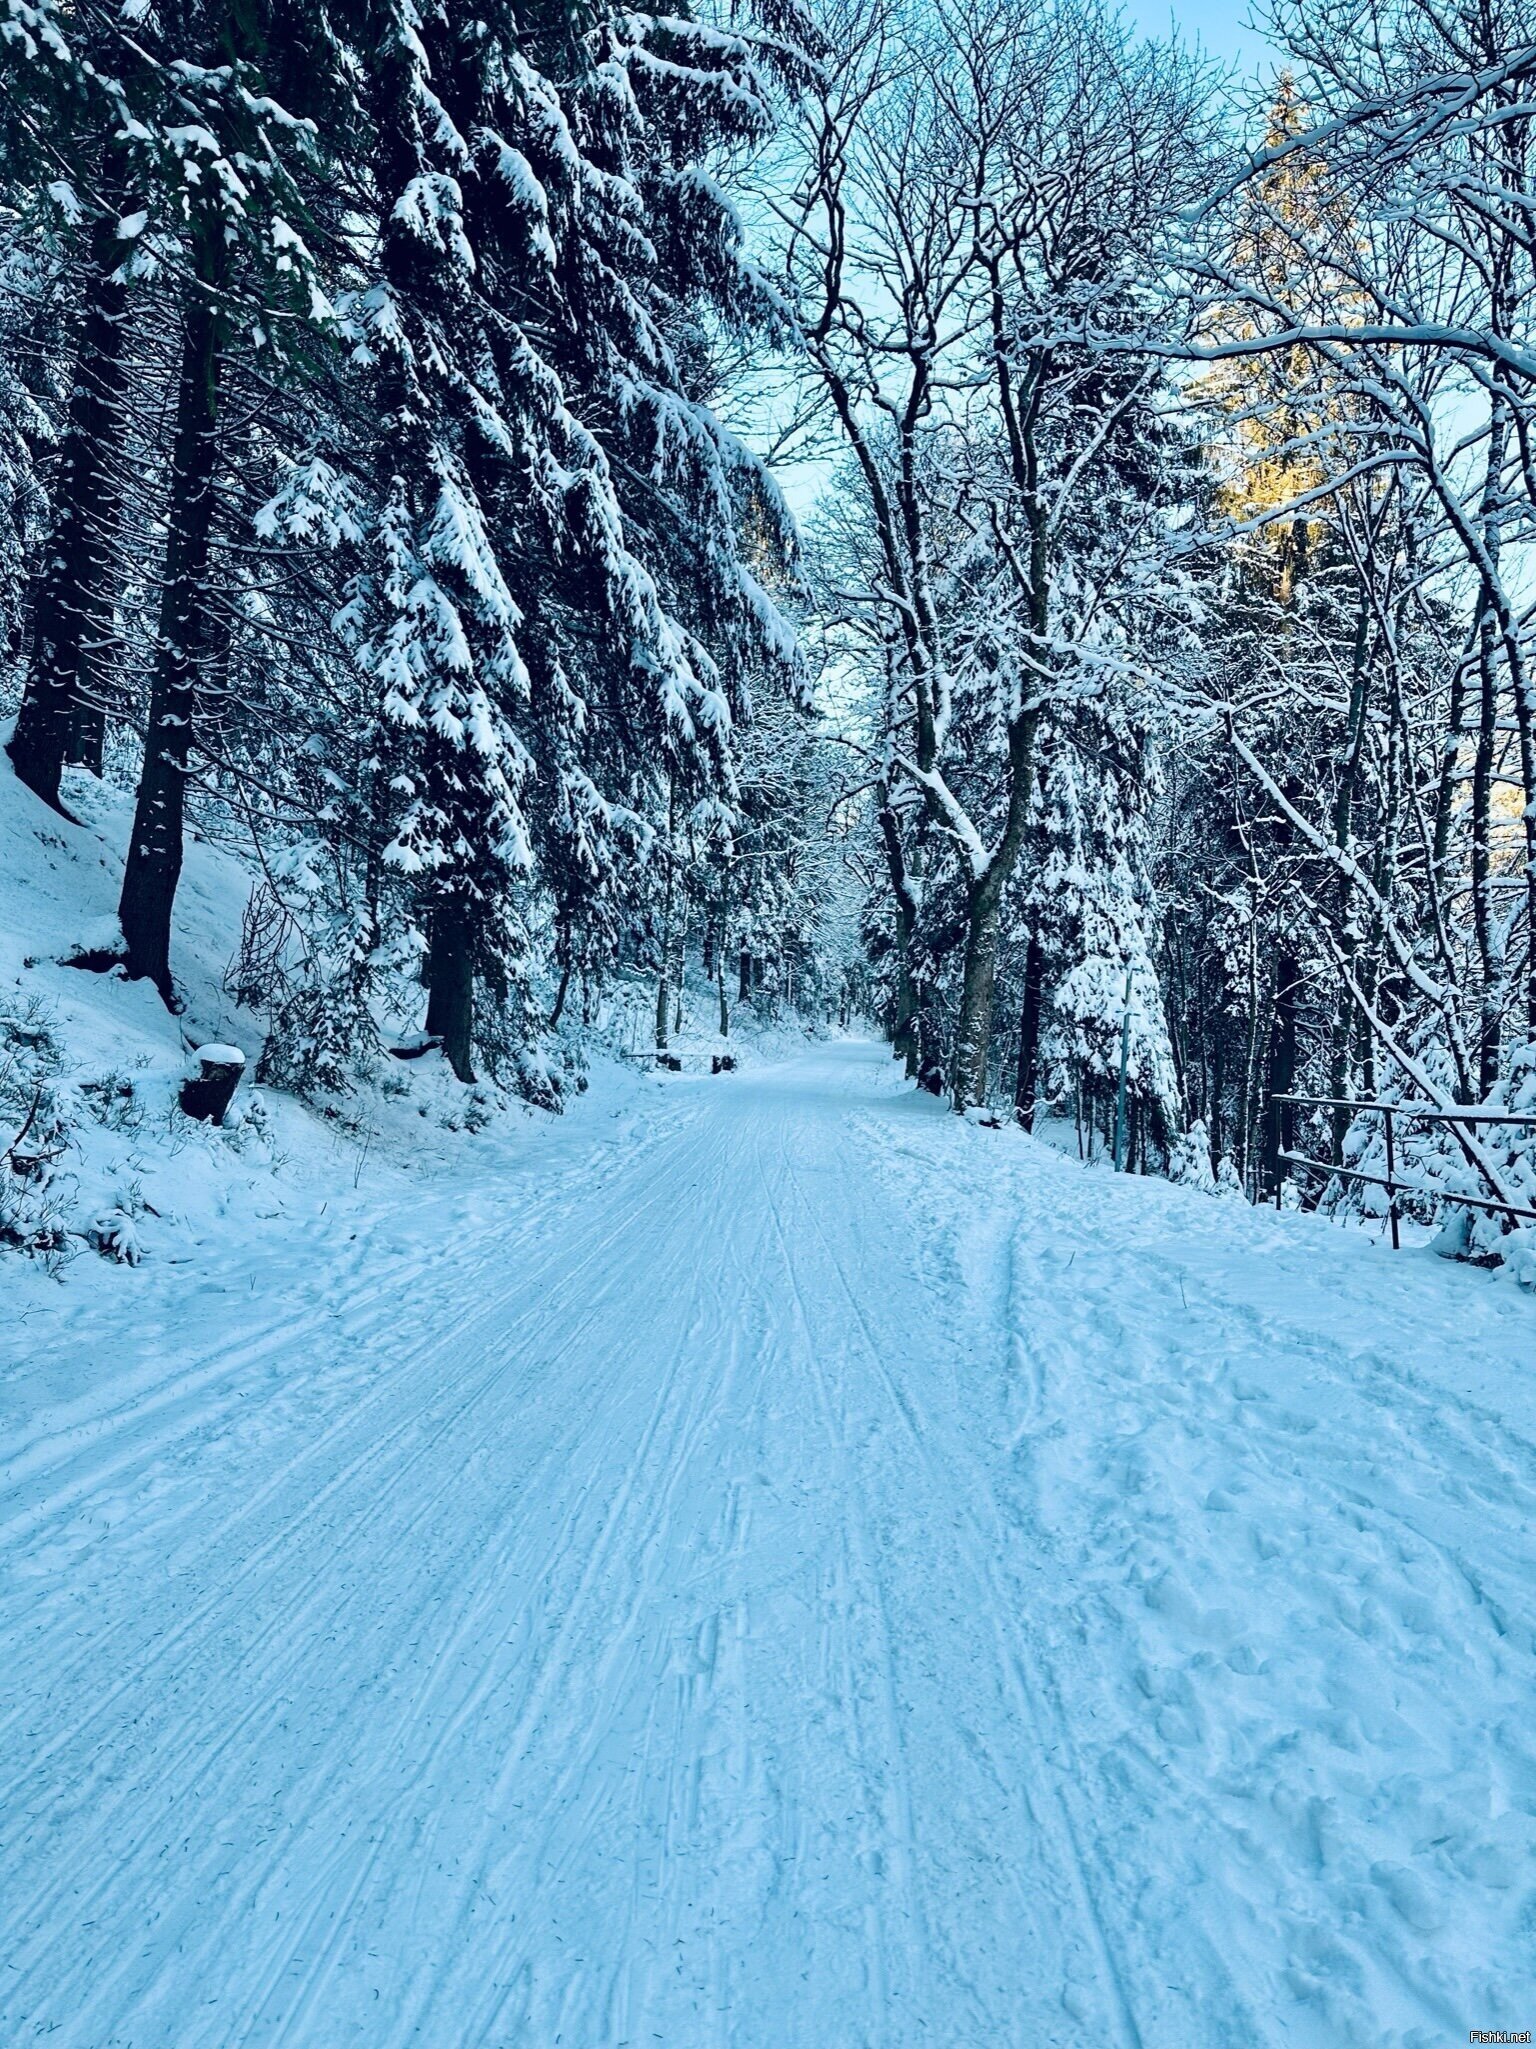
(34, 1132)
(1454, 1236)
(1519, 1251)
(1189, 1163)
(114, 1101)
(1228, 1181)
(321, 1039)
(115, 1235)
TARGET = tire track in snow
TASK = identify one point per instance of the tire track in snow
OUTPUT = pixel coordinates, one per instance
(355, 1421)
(571, 1676)
(1016, 1659)
(630, 1526)
(859, 1571)
(270, 1700)
(26, 1456)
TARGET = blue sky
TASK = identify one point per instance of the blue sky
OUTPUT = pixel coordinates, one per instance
(1217, 24)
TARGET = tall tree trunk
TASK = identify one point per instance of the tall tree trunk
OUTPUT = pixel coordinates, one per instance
(1485, 916)
(663, 1004)
(905, 1005)
(664, 967)
(1243, 1138)
(1450, 764)
(978, 982)
(1486, 924)
(973, 1032)
(930, 1046)
(1218, 1079)
(1525, 720)
(61, 717)
(1343, 830)
(153, 867)
(1280, 1118)
(560, 994)
(1026, 1082)
(451, 984)
(1021, 419)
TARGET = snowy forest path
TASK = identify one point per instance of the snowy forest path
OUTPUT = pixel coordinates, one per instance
(822, 1575)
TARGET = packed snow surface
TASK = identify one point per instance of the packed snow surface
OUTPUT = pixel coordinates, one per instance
(788, 1569)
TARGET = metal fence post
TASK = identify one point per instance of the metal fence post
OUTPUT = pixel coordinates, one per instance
(1392, 1185)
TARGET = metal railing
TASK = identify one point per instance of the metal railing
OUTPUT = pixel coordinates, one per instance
(1413, 1113)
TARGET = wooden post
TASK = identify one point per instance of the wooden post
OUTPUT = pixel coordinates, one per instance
(1392, 1185)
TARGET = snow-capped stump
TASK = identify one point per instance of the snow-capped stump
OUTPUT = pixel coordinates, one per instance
(208, 1094)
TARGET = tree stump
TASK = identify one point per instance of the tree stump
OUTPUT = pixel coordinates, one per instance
(208, 1094)
(722, 1063)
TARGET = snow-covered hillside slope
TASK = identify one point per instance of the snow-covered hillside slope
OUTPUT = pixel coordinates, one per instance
(786, 1568)
(96, 1063)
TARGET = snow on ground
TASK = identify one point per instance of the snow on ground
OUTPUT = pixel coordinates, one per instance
(116, 1057)
(785, 1568)
(113, 1058)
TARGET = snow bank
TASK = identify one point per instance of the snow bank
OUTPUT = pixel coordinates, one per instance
(91, 1067)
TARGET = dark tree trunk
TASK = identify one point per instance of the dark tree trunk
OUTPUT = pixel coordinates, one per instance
(565, 983)
(905, 1004)
(451, 985)
(663, 1006)
(978, 981)
(664, 967)
(1485, 918)
(744, 977)
(1343, 831)
(1450, 764)
(1020, 403)
(1280, 1118)
(930, 1048)
(61, 717)
(973, 1033)
(1027, 1081)
(153, 867)
(1214, 1120)
(904, 1027)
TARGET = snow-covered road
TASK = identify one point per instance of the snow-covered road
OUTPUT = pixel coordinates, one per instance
(814, 1575)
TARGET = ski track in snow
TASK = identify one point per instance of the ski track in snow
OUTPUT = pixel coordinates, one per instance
(817, 1574)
